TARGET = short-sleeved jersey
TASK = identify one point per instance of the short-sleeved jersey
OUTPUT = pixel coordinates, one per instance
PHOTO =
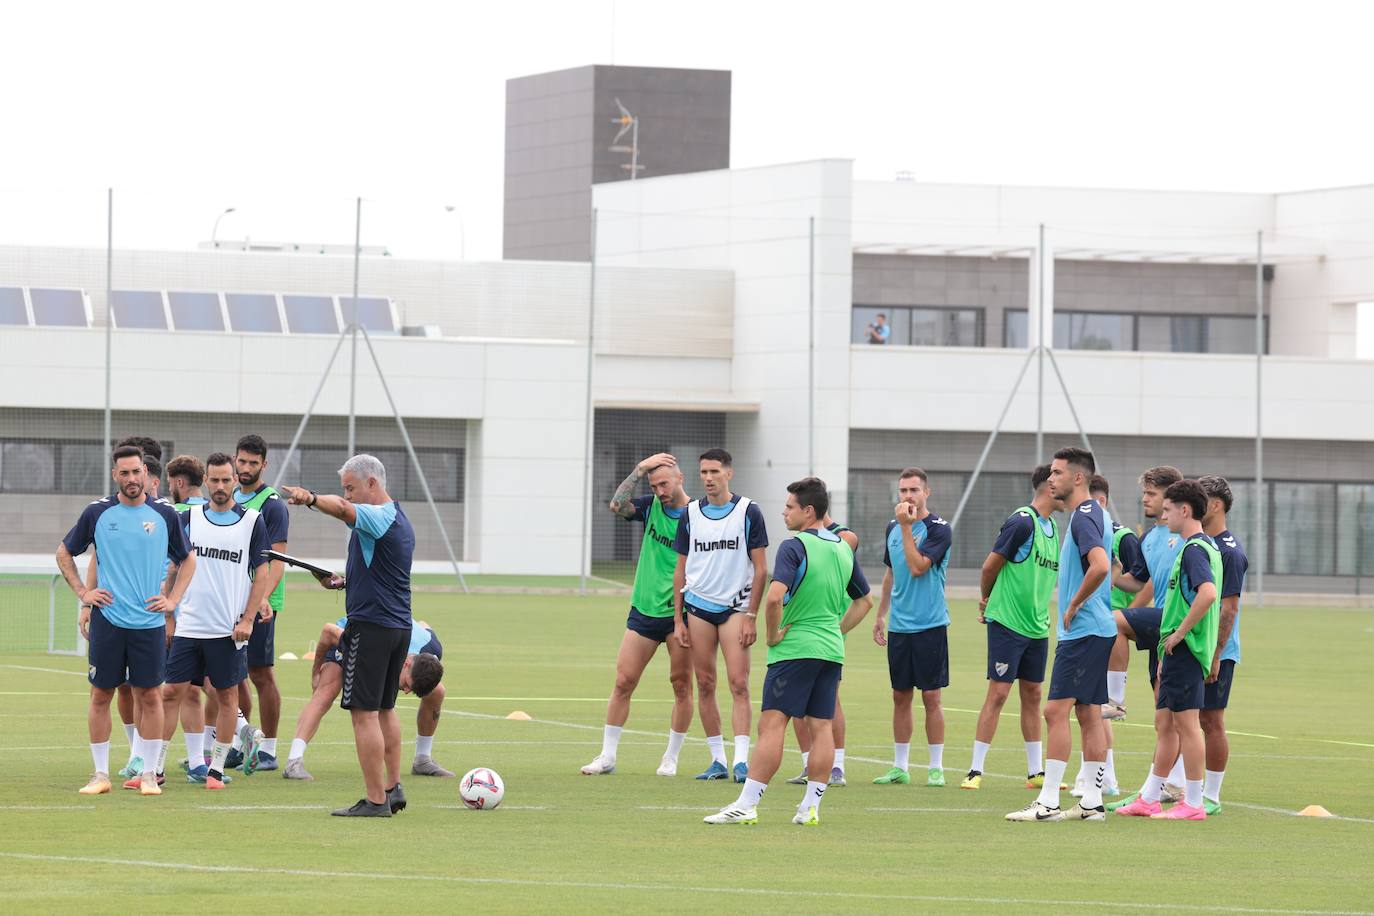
(652, 594)
(1160, 547)
(1089, 528)
(133, 545)
(380, 552)
(918, 602)
(820, 574)
(1234, 565)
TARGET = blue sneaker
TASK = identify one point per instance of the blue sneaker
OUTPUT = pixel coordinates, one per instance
(266, 761)
(200, 773)
(234, 760)
(716, 770)
(741, 772)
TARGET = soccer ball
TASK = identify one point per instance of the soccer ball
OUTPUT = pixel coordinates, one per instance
(481, 789)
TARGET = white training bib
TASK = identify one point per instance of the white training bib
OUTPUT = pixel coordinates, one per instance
(218, 593)
(718, 567)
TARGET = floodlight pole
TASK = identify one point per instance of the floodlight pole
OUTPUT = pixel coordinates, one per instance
(811, 349)
(109, 309)
(1040, 348)
(353, 325)
(589, 425)
(1260, 493)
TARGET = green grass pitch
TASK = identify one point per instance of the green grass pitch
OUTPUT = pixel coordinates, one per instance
(1303, 733)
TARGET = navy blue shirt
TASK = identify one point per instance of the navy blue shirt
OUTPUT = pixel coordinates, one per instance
(1085, 527)
(133, 545)
(1130, 556)
(1195, 570)
(380, 552)
(641, 505)
(755, 532)
(274, 515)
(789, 566)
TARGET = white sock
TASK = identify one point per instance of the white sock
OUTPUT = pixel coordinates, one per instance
(839, 759)
(901, 755)
(297, 749)
(208, 741)
(610, 740)
(1153, 785)
(675, 740)
(1082, 771)
(268, 746)
(135, 749)
(131, 732)
(1092, 784)
(195, 749)
(1033, 762)
(751, 794)
(716, 744)
(937, 756)
(1109, 770)
(219, 752)
(812, 798)
(162, 757)
(1176, 776)
(1116, 687)
(424, 745)
(1054, 774)
(100, 756)
(152, 750)
(1192, 793)
(235, 743)
(1211, 786)
(239, 723)
(806, 755)
(980, 755)
(741, 750)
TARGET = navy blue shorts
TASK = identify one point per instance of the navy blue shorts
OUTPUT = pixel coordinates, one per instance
(656, 628)
(800, 687)
(1181, 681)
(1144, 622)
(1080, 670)
(193, 659)
(1217, 695)
(919, 661)
(712, 617)
(1012, 656)
(117, 655)
(261, 644)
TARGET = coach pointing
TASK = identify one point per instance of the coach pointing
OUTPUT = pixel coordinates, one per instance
(377, 600)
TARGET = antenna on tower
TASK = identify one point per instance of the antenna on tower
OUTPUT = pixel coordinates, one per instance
(628, 124)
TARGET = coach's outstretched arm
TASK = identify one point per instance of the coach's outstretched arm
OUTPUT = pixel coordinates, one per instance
(335, 506)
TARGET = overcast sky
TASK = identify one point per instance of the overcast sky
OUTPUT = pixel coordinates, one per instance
(287, 110)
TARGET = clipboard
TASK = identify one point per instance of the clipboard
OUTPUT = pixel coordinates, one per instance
(300, 564)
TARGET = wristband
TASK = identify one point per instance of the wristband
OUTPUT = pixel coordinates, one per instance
(314, 498)
(752, 615)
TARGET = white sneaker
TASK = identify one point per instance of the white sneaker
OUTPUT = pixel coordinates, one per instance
(1113, 711)
(1079, 813)
(1170, 793)
(733, 815)
(666, 767)
(1035, 812)
(601, 766)
(807, 817)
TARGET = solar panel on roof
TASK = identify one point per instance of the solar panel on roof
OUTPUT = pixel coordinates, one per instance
(310, 314)
(196, 311)
(12, 310)
(374, 313)
(253, 312)
(64, 308)
(139, 309)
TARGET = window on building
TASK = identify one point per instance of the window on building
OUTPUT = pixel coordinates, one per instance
(310, 314)
(64, 308)
(920, 326)
(1149, 332)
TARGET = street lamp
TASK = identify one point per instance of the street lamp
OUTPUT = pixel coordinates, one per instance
(215, 231)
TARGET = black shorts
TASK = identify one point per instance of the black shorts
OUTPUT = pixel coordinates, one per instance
(1181, 681)
(1080, 670)
(117, 655)
(1218, 694)
(656, 628)
(1012, 656)
(919, 661)
(373, 656)
(261, 653)
(800, 687)
(192, 659)
(712, 617)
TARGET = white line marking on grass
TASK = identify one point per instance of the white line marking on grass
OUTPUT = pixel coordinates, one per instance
(47, 807)
(1334, 817)
(659, 889)
(45, 670)
(935, 810)
(673, 808)
(263, 807)
(1346, 743)
(503, 807)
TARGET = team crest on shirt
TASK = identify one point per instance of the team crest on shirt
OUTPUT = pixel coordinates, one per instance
(1173, 540)
(149, 527)
(1000, 668)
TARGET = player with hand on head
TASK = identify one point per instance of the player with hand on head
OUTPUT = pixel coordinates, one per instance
(916, 553)
(651, 620)
(1016, 585)
(817, 595)
(722, 564)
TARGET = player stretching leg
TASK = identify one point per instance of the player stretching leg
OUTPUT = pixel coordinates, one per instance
(818, 594)
(125, 617)
(916, 553)
(1188, 641)
(1017, 584)
(651, 610)
(1085, 632)
(717, 585)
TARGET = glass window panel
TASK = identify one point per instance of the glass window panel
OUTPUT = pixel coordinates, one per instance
(944, 327)
(1187, 334)
(196, 311)
(310, 314)
(444, 473)
(28, 467)
(373, 313)
(898, 321)
(253, 312)
(64, 308)
(1093, 331)
(84, 468)
(1015, 329)
(397, 464)
(139, 309)
(12, 310)
(1302, 528)
(1155, 334)
(1355, 530)
(1230, 335)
